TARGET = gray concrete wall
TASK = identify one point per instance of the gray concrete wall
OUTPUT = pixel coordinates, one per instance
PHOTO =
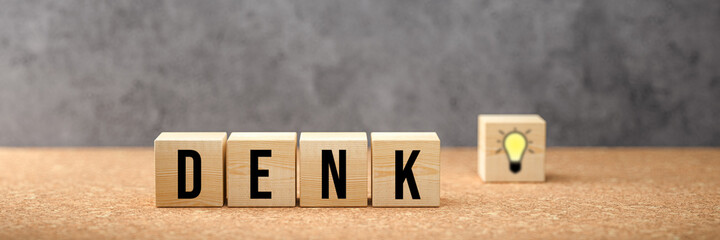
(601, 72)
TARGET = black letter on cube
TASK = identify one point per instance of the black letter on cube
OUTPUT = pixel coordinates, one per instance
(405, 173)
(182, 156)
(328, 165)
(255, 173)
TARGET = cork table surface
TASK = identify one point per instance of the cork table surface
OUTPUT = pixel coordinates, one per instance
(590, 193)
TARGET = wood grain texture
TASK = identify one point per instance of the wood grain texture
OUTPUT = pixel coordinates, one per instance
(311, 146)
(426, 168)
(590, 193)
(280, 166)
(493, 163)
(211, 148)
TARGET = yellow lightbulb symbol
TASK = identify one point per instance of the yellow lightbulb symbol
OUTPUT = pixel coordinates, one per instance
(515, 145)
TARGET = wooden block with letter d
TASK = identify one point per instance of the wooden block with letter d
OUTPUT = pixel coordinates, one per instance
(189, 169)
(405, 169)
(261, 169)
(333, 169)
(511, 148)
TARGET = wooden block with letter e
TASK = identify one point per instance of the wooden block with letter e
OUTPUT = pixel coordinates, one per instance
(405, 169)
(261, 169)
(511, 148)
(189, 169)
(333, 169)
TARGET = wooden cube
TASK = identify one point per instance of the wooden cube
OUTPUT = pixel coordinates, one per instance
(261, 169)
(511, 148)
(189, 169)
(333, 169)
(405, 169)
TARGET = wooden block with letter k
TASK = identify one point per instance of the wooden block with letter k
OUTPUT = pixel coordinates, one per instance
(189, 169)
(333, 169)
(405, 169)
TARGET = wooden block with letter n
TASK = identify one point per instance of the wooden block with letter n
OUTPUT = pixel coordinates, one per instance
(333, 169)
(405, 169)
(261, 169)
(511, 148)
(189, 169)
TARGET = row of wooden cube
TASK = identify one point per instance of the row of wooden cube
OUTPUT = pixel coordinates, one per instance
(259, 169)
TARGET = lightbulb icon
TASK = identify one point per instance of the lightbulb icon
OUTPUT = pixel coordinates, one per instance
(515, 145)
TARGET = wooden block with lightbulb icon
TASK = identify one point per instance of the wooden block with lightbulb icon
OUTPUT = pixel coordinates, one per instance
(261, 169)
(511, 147)
(405, 169)
(333, 169)
(190, 169)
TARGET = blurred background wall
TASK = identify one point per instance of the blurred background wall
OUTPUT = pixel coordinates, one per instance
(601, 72)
